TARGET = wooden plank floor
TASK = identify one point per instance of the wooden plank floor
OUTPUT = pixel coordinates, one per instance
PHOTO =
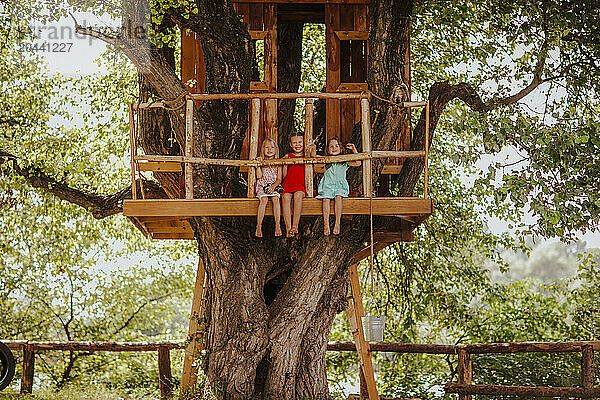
(167, 219)
(393, 206)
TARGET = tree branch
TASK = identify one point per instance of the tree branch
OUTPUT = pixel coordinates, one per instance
(100, 206)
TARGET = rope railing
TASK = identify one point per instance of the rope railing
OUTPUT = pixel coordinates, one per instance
(188, 159)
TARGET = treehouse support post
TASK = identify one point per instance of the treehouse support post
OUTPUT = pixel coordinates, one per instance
(366, 148)
(254, 131)
(355, 311)
(132, 146)
(194, 340)
(189, 146)
(308, 140)
(425, 169)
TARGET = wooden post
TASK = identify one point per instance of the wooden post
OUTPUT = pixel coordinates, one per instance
(165, 380)
(189, 374)
(354, 312)
(270, 23)
(132, 145)
(464, 371)
(426, 172)
(308, 140)
(189, 146)
(587, 366)
(28, 368)
(366, 147)
(254, 130)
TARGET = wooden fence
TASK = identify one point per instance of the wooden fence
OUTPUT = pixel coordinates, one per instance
(463, 387)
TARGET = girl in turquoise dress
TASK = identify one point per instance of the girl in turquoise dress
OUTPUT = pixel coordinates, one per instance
(334, 185)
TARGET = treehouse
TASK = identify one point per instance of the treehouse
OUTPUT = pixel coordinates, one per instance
(346, 100)
(346, 107)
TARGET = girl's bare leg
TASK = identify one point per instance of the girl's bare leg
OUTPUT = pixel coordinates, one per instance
(262, 206)
(298, 196)
(338, 215)
(326, 207)
(286, 204)
(277, 215)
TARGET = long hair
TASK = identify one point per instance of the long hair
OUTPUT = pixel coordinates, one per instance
(262, 148)
(337, 139)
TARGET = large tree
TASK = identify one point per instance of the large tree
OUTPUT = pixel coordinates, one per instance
(270, 303)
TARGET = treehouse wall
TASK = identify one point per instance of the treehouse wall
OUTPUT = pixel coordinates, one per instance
(346, 30)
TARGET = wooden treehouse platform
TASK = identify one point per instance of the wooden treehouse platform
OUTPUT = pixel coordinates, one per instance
(167, 219)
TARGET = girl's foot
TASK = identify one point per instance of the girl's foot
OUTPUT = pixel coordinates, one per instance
(336, 229)
(277, 231)
(290, 232)
(326, 230)
(258, 232)
(294, 230)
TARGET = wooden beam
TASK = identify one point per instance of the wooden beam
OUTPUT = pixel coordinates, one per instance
(464, 371)
(258, 35)
(270, 21)
(162, 166)
(352, 35)
(587, 366)
(426, 168)
(352, 87)
(366, 147)
(258, 86)
(333, 71)
(522, 391)
(190, 372)
(394, 206)
(308, 140)
(189, 146)
(254, 125)
(165, 379)
(28, 368)
(132, 148)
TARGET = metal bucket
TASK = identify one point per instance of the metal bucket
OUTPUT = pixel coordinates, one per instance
(373, 327)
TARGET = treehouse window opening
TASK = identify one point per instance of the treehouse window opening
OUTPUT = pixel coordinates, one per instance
(258, 70)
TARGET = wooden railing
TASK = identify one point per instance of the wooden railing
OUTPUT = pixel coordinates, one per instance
(463, 386)
(158, 162)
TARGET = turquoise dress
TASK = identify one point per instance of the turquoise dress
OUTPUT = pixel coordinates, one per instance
(334, 182)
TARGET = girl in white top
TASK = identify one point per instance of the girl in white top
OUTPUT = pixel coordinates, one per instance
(268, 178)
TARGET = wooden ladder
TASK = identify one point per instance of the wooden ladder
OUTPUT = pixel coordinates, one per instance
(355, 311)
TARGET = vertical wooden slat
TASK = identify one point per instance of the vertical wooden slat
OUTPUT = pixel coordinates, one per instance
(165, 380)
(332, 44)
(270, 21)
(354, 312)
(132, 146)
(189, 146)
(464, 371)
(308, 140)
(366, 147)
(358, 67)
(188, 56)
(426, 169)
(28, 368)
(587, 366)
(256, 16)
(255, 113)
(346, 106)
(200, 70)
(189, 374)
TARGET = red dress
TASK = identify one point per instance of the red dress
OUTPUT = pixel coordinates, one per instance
(294, 180)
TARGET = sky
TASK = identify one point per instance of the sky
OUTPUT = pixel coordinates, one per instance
(69, 53)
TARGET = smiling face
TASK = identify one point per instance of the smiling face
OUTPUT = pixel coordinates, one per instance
(334, 147)
(269, 149)
(297, 144)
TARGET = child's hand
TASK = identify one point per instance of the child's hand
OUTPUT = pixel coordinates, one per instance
(260, 158)
(311, 149)
(351, 147)
(270, 189)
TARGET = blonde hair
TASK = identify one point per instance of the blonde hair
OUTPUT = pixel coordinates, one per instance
(262, 148)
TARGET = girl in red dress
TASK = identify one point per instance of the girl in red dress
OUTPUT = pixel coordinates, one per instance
(293, 186)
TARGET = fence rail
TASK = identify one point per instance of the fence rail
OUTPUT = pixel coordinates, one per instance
(463, 387)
